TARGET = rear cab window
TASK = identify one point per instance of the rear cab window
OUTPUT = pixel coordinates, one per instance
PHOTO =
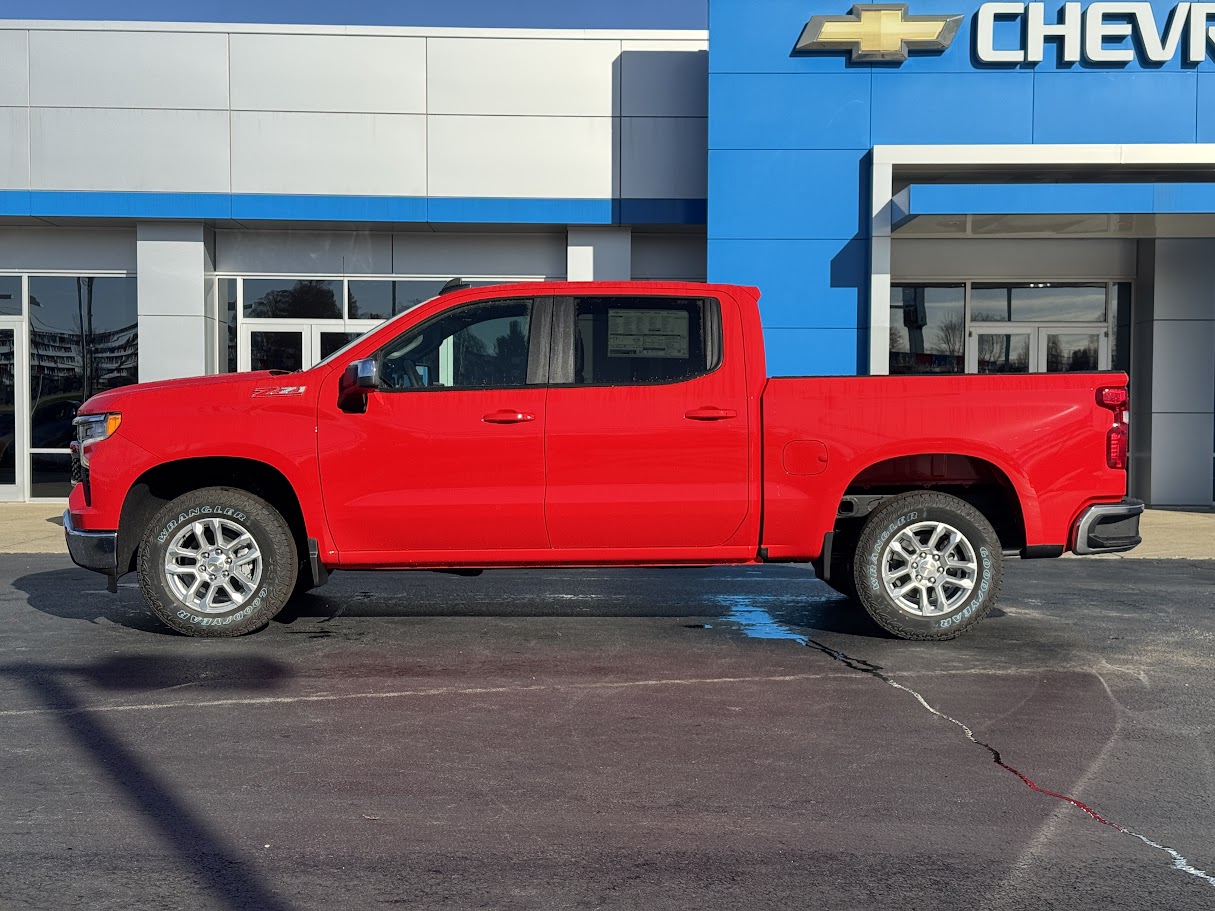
(636, 341)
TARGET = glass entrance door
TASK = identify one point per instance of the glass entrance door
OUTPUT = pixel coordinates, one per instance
(294, 346)
(1038, 349)
(13, 444)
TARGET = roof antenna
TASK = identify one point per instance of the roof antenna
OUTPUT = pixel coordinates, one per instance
(454, 284)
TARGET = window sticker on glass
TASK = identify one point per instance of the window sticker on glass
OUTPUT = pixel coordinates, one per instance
(647, 333)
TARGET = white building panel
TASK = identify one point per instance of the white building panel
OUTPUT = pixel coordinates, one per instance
(78, 250)
(480, 255)
(664, 158)
(326, 253)
(14, 148)
(132, 150)
(117, 69)
(1181, 471)
(664, 79)
(1183, 371)
(544, 157)
(339, 73)
(319, 154)
(163, 354)
(171, 264)
(1185, 279)
(521, 76)
(14, 67)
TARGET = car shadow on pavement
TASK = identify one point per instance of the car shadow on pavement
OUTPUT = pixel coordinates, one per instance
(798, 600)
(77, 594)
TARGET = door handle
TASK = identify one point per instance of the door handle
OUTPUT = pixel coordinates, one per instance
(508, 416)
(710, 413)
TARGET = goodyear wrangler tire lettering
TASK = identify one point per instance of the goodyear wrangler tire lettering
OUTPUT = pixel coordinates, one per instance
(224, 539)
(932, 566)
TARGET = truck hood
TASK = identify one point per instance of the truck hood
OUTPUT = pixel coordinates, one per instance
(229, 385)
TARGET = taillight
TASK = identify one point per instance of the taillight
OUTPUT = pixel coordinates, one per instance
(1112, 397)
(1116, 399)
(1115, 447)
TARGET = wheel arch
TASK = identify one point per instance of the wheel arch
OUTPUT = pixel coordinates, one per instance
(994, 489)
(169, 480)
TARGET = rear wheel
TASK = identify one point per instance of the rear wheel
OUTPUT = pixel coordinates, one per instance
(217, 562)
(927, 566)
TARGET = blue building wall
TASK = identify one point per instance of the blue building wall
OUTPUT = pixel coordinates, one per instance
(789, 137)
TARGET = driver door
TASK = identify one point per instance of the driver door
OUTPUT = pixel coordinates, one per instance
(447, 462)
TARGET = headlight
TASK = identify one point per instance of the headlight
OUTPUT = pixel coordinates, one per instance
(93, 428)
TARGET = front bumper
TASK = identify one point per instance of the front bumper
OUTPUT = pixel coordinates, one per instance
(1108, 528)
(95, 550)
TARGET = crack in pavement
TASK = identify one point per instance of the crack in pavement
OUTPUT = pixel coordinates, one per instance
(758, 623)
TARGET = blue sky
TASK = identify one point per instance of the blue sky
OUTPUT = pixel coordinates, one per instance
(690, 14)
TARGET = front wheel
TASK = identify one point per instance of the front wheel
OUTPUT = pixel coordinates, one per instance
(217, 562)
(927, 566)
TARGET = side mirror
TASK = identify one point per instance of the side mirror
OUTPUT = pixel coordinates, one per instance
(358, 379)
(366, 374)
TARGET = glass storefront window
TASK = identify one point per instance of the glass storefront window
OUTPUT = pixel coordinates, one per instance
(276, 351)
(10, 295)
(8, 406)
(227, 325)
(1038, 302)
(83, 339)
(927, 328)
(289, 298)
(382, 299)
(1006, 352)
(1070, 352)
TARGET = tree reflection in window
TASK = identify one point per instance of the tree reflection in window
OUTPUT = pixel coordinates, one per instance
(270, 298)
(483, 345)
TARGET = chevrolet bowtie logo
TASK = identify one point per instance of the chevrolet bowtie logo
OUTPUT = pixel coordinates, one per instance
(878, 32)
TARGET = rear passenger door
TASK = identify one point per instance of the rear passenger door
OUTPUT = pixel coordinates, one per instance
(646, 437)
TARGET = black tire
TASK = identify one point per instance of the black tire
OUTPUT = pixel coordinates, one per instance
(233, 598)
(950, 607)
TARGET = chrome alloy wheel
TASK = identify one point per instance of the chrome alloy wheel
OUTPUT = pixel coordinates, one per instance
(213, 565)
(929, 569)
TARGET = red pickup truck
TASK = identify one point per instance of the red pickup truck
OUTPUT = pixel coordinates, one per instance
(601, 423)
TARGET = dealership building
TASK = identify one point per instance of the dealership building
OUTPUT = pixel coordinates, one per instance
(942, 187)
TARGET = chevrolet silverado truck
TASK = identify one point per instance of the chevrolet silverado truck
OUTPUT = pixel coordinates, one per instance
(592, 424)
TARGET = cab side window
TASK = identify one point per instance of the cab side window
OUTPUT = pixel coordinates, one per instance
(644, 340)
(483, 345)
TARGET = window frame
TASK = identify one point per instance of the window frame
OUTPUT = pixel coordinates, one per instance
(565, 317)
(539, 331)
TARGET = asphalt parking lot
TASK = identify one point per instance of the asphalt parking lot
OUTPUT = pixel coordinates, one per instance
(612, 739)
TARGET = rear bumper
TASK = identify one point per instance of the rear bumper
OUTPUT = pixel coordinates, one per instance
(95, 550)
(1108, 528)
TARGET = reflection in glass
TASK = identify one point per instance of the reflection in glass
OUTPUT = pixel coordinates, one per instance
(286, 298)
(276, 351)
(83, 340)
(10, 295)
(372, 299)
(1037, 302)
(1003, 353)
(1072, 352)
(927, 329)
(8, 406)
(475, 346)
(335, 341)
(50, 474)
(227, 331)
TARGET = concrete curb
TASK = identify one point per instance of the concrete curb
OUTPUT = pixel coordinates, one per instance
(1189, 534)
